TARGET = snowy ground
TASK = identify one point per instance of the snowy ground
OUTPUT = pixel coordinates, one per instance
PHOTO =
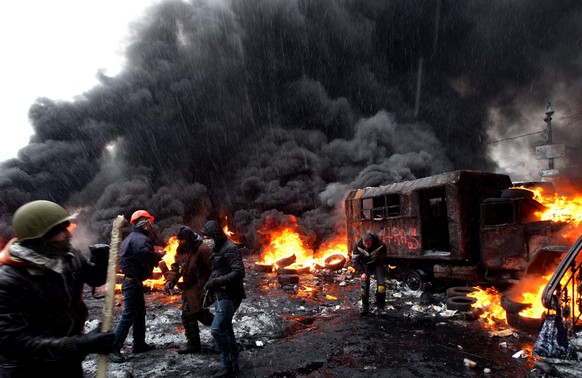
(313, 329)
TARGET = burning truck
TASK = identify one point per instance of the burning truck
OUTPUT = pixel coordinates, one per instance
(462, 226)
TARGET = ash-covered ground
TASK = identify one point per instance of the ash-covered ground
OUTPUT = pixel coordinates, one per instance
(313, 329)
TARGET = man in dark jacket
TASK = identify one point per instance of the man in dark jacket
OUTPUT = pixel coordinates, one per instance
(226, 285)
(369, 258)
(42, 313)
(192, 263)
(138, 260)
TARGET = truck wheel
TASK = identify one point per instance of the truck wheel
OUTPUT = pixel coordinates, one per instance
(415, 280)
(459, 291)
(461, 303)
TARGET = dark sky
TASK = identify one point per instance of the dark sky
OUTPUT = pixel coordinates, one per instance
(266, 110)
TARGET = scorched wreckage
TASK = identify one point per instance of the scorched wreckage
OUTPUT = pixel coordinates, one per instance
(465, 226)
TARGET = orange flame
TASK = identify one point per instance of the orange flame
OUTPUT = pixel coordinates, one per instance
(488, 301)
(558, 208)
(286, 241)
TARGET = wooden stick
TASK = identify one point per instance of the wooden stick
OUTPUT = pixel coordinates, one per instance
(116, 232)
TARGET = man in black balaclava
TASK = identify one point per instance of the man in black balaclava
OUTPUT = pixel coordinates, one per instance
(226, 285)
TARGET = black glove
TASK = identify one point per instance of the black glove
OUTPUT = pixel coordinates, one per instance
(168, 285)
(100, 254)
(211, 284)
(96, 342)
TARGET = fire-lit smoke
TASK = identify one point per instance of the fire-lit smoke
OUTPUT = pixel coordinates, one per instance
(270, 109)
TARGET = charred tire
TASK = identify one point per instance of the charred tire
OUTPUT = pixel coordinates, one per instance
(459, 291)
(530, 325)
(288, 279)
(461, 303)
(511, 306)
(298, 270)
(268, 268)
(335, 262)
(415, 280)
(516, 193)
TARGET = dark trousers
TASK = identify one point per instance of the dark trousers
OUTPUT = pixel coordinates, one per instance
(133, 314)
(190, 321)
(379, 273)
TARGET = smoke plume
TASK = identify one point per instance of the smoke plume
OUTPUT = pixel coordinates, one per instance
(268, 111)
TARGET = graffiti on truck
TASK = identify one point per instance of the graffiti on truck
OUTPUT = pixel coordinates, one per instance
(401, 237)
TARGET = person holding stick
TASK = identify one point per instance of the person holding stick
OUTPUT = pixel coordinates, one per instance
(42, 311)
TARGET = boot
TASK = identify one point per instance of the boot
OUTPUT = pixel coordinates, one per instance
(116, 357)
(380, 301)
(365, 305)
(190, 348)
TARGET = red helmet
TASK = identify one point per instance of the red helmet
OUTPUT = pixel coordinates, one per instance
(140, 214)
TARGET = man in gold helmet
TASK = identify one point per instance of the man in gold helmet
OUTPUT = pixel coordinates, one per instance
(42, 312)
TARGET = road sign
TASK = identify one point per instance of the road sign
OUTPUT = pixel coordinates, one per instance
(549, 172)
(550, 151)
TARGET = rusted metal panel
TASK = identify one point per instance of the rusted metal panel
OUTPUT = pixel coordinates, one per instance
(504, 247)
(452, 272)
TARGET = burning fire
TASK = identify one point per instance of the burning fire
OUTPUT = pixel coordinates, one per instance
(558, 208)
(286, 242)
(489, 300)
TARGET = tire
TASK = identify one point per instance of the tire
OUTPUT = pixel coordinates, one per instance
(459, 291)
(297, 270)
(529, 325)
(461, 303)
(268, 268)
(516, 193)
(288, 279)
(512, 307)
(415, 280)
(335, 261)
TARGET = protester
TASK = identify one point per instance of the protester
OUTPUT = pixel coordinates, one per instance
(42, 312)
(137, 261)
(226, 286)
(369, 258)
(192, 263)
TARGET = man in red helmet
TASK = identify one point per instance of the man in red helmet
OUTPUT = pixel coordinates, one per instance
(137, 261)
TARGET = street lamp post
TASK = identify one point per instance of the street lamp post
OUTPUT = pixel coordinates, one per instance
(548, 119)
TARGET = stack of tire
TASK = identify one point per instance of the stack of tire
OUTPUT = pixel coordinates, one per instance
(515, 320)
(457, 298)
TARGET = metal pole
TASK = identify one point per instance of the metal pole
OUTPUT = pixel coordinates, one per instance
(548, 119)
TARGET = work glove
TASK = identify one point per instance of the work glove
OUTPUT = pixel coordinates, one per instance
(96, 342)
(168, 285)
(211, 284)
(100, 255)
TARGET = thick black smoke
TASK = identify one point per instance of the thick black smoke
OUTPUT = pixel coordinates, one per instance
(267, 110)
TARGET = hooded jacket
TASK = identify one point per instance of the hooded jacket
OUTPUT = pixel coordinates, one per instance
(228, 269)
(42, 310)
(193, 264)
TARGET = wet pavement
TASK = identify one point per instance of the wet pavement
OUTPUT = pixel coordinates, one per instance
(313, 329)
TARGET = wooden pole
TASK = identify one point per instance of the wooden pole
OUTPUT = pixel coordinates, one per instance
(110, 288)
